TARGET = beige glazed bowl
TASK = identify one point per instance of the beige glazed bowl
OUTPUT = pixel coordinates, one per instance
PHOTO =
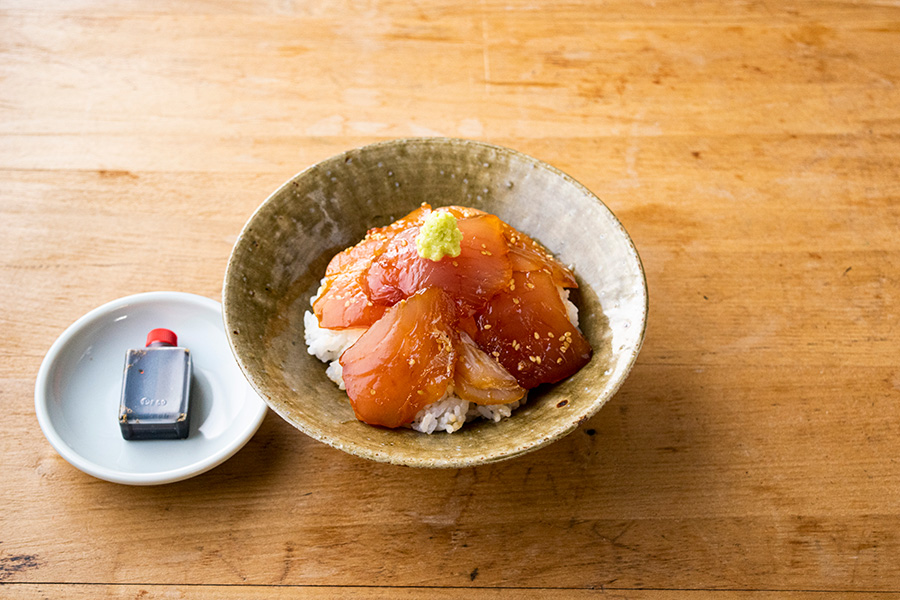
(281, 255)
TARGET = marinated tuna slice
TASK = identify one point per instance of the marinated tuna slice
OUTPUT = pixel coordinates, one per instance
(526, 255)
(464, 212)
(404, 361)
(468, 326)
(480, 379)
(480, 270)
(527, 329)
(343, 303)
(356, 259)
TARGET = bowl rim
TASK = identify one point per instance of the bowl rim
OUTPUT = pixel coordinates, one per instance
(485, 458)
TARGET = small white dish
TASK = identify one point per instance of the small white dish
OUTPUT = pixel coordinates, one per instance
(79, 385)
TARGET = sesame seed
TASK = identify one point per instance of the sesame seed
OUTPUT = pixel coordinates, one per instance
(372, 392)
(412, 361)
(495, 353)
(529, 285)
(536, 336)
(537, 359)
(515, 300)
(550, 335)
(558, 360)
(488, 326)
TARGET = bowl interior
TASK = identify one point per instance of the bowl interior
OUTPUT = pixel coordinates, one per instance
(281, 255)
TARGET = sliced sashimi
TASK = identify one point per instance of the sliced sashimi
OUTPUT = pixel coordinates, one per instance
(480, 379)
(404, 361)
(356, 259)
(463, 212)
(457, 308)
(527, 255)
(343, 303)
(526, 328)
(480, 270)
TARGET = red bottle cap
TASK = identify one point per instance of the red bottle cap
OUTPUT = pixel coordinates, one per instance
(162, 336)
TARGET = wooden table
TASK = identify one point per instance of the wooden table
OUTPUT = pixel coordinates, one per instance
(752, 149)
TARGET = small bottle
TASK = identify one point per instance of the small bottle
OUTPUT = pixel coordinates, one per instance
(156, 390)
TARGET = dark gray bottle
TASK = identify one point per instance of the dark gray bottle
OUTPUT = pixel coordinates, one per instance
(156, 390)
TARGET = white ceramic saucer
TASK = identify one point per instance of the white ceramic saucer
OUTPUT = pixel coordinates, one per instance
(80, 381)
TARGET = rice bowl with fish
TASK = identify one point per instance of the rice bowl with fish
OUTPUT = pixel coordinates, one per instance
(455, 315)
(281, 255)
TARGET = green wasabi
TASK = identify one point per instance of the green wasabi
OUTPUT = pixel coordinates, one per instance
(439, 237)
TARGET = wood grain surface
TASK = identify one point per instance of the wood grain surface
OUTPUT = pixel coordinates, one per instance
(752, 150)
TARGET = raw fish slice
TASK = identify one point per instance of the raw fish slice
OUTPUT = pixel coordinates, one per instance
(404, 361)
(480, 271)
(464, 212)
(342, 300)
(480, 379)
(526, 255)
(343, 303)
(467, 325)
(527, 329)
(357, 258)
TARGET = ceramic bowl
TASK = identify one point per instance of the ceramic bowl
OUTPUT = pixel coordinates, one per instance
(281, 254)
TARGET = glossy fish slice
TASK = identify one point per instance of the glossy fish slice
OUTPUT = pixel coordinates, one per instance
(480, 379)
(526, 327)
(527, 255)
(404, 361)
(344, 300)
(480, 270)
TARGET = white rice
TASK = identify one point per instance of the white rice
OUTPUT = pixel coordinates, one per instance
(328, 344)
(571, 309)
(448, 414)
(452, 412)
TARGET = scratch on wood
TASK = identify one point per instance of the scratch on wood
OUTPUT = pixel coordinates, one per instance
(107, 173)
(287, 561)
(18, 563)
